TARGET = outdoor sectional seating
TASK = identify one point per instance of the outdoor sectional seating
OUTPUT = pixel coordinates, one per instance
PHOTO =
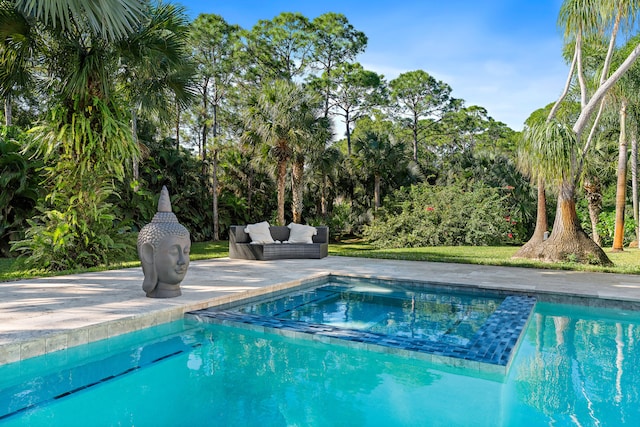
(240, 246)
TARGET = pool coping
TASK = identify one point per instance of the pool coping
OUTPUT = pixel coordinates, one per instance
(40, 316)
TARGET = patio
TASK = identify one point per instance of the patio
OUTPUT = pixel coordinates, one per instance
(39, 316)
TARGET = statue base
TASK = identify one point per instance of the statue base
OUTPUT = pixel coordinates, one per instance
(165, 291)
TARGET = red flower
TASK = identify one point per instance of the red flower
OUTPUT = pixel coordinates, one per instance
(510, 235)
(430, 209)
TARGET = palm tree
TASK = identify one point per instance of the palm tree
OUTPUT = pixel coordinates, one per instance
(110, 20)
(378, 156)
(318, 134)
(634, 172)
(155, 69)
(89, 51)
(325, 168)
(17, 43)
(22, 23)
(280, 115)
(582, 20)
(556, 147)
(625, 93)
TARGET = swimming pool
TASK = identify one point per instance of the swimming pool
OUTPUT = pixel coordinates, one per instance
(574, 366)
(474, 328)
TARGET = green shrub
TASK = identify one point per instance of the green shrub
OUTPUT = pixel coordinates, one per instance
(82, 235)
(606, 227)
(19, 181)
(425, 215)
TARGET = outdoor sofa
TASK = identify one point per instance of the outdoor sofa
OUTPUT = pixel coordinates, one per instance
(241, 246)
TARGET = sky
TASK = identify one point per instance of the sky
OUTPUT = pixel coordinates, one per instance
(503, 55)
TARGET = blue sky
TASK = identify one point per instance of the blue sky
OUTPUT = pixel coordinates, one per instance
(503, 55)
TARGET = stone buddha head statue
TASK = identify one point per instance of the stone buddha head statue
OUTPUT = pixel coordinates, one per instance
(163, 248)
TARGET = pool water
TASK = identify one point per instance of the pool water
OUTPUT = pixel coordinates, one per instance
(574, 366)
(390, 310)
(475, 328)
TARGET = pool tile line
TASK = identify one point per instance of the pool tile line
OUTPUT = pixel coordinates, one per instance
(497, 339)
(22, 396)
(493, 344)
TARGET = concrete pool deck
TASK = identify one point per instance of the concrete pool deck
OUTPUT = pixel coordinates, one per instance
(39, 316)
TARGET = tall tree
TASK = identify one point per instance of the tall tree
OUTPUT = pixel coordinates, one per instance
(215, 45)
(580, 20)
(354, 92)
(625, 94)
(280, 48)
(634, 173)
(621, 185)
(417, 96)
(335, 41)
(315, 134)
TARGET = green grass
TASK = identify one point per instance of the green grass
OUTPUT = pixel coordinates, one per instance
(12, 269)
(626, 262)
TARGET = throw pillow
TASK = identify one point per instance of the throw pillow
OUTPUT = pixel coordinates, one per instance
(301, 233)
(259, 232)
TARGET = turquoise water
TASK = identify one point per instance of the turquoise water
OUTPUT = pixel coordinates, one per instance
(399, 311)
(575, 366)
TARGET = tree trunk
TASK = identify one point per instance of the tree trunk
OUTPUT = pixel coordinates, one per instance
(136, 159)
(634, 183)
(346, 120)
(376, 191)
(415, 137)
(593, 192)
(205, 119)
(214, 176)
(323, 198)
(214, 193)
(282, 174)
(178, 115)
(297, 188)
(621, 186)
(8, 114)
(568, 242)
(586, 112)
(327, 95)
(542, 223)
(250, 193)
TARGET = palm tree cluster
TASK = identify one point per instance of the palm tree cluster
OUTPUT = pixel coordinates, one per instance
(567, 148)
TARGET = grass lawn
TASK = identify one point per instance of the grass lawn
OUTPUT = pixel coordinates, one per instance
(11, 269)
(627, 262)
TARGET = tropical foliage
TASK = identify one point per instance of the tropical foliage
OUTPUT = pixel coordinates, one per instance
(281, 122)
